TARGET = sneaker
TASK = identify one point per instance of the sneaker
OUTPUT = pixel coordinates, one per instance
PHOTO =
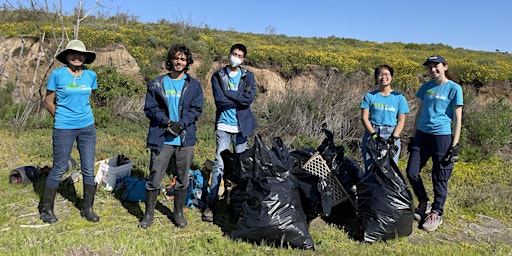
(207, 215)
(422, 210)
(432, 222)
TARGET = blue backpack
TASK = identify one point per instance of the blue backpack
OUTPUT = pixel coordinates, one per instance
(197, 190)
(135, 189)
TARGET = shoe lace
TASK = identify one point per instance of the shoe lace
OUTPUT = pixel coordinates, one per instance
(432, 217)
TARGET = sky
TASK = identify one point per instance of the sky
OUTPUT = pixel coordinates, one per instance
(470, 24)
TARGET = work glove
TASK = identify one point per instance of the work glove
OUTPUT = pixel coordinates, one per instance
(452, 155)
(379, 139)
(174, 128)
(393, 149)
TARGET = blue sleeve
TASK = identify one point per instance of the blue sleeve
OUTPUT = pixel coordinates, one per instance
(221, 101)
(365, 104)
(403, 107)
(152, 109)
(244, 96)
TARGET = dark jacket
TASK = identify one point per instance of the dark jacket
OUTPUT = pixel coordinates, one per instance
(157, 110)
(240, 99)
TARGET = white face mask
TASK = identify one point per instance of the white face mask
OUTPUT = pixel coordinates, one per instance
(234, 61)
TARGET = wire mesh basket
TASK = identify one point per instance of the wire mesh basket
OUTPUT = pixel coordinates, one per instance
(317, 166)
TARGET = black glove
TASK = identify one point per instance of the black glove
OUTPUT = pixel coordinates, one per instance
(393, 149)
(392, 140)
(452, 155)
(174, 128)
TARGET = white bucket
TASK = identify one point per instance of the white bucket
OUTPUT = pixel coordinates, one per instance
(109, 174)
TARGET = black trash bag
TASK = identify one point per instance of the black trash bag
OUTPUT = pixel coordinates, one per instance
(272, 210)
(317, 198)
(385, 203)
(23, 175)
(309, 184)
(348, 172)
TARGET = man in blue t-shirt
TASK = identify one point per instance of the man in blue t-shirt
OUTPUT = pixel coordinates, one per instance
(173, 104)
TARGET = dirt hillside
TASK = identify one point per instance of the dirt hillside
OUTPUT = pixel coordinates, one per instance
(267, 74)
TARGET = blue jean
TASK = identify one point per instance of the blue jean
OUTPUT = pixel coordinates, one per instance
(160, 161)
(385, 132)
(424, 147)
(223, 141)
(63, 140)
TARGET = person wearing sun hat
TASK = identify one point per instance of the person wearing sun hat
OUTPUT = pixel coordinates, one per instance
(436, 135)
(67, 99)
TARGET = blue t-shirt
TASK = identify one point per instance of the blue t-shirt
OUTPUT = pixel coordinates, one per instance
(228, 116)
(173, 89)
(73, 109)
(385, 109)
(439, 102)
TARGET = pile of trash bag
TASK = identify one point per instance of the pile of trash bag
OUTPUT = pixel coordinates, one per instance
(385, 203)
(275, 196)
(266, 200)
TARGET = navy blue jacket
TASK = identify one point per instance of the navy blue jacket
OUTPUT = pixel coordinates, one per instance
(157, 110)
(240, 99)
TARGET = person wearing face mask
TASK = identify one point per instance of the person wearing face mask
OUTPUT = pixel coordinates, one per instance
(437, 131)
(383, 114)
(234, 90)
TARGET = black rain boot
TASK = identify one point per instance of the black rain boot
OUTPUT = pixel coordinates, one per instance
(86, 212)
(147, 220)
(46, 207)
(179, 203)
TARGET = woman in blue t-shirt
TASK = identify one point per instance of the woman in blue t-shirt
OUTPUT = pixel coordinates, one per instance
(383, 113)
(437, 131)
(67, 99)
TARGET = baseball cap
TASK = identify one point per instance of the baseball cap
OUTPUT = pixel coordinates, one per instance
(435, 59)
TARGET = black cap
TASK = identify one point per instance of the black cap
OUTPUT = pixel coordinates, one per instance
(435, 59)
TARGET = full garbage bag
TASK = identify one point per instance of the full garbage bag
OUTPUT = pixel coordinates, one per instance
(270, 208)
(385, 203)
(316, 195)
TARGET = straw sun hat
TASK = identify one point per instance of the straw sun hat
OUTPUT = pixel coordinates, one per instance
(78, 46)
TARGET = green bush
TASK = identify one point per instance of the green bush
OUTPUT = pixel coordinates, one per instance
(112, 85)
(485, 130)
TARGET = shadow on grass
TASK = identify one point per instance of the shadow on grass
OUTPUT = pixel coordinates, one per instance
(66, 189)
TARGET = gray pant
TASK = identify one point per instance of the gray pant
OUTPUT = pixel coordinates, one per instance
(161, 160)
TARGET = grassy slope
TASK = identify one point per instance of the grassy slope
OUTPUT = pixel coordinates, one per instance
(117, 232)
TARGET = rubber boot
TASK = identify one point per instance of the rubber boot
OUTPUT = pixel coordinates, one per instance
(208, 212)
(147, 220)
(46, 206)
(179, 203)
(87, 212)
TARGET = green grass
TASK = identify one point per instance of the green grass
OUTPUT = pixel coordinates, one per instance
(473, 191)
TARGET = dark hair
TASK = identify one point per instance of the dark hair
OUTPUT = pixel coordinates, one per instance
(377, 71)
(172, 53)
(240, 47)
